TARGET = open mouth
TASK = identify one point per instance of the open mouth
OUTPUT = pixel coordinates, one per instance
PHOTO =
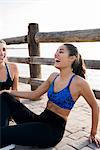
(56, 60)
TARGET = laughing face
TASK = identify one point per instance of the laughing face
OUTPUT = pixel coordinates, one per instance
(2, 52)
(62, 58)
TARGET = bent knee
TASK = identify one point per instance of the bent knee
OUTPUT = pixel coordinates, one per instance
(3, 94)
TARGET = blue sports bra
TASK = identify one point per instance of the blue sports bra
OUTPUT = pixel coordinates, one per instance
(62, 98)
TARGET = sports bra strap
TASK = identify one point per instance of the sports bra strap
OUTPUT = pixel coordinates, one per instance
(70, 81)
(55, 77)
(8, 70)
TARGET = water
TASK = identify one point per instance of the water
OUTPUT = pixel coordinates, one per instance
(87, 50)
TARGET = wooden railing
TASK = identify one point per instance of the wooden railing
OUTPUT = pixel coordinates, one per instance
(34, 60)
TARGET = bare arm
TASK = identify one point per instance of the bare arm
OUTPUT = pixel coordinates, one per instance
(89, 96)
(32, 94)
(16, 77)
(36, 93)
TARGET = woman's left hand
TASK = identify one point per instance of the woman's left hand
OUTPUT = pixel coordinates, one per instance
(95, 139)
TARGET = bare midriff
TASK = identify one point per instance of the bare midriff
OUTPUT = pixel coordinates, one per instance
(58, 110)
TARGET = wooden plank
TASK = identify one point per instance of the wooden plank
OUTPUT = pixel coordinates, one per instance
(90, 64)
(34, 50)
(32, 81)
(90, 35)
(97, 94)
(16, 40)
(19, 60)
(37, 82)
(32, 60)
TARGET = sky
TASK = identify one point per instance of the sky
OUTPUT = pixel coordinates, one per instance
(51, 15)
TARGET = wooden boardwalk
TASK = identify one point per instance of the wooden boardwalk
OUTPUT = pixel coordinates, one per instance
(77, 128)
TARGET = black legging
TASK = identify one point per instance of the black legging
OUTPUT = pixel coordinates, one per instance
(43, 131)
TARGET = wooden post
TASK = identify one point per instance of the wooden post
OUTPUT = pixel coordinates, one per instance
(33, 47)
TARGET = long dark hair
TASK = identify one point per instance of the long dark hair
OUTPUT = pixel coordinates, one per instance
(78, 66)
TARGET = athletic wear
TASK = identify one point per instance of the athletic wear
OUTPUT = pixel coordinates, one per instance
(43, 131)
(62, 98)
(8, 83)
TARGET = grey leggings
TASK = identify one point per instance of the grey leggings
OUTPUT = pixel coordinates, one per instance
(43, 131)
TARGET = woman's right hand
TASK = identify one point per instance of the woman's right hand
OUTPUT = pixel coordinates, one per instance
(95, 139)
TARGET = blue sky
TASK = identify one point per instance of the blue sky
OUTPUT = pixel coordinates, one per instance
(52, 15)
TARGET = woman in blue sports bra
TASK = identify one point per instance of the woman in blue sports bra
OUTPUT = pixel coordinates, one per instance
(8, 71)
(63, 90)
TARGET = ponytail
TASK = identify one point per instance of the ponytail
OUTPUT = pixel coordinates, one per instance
(78, 66)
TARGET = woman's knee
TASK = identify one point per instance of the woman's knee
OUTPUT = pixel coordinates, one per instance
(4, 94)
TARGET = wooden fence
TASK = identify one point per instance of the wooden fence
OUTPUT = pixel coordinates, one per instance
(34, 60)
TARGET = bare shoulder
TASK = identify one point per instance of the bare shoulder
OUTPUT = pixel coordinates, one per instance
(80, 81)
(83, 84)
(13, 67)
(52, 76)
(87, 92)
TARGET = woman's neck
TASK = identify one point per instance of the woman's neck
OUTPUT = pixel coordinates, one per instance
(2, 65)
(65, 73)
